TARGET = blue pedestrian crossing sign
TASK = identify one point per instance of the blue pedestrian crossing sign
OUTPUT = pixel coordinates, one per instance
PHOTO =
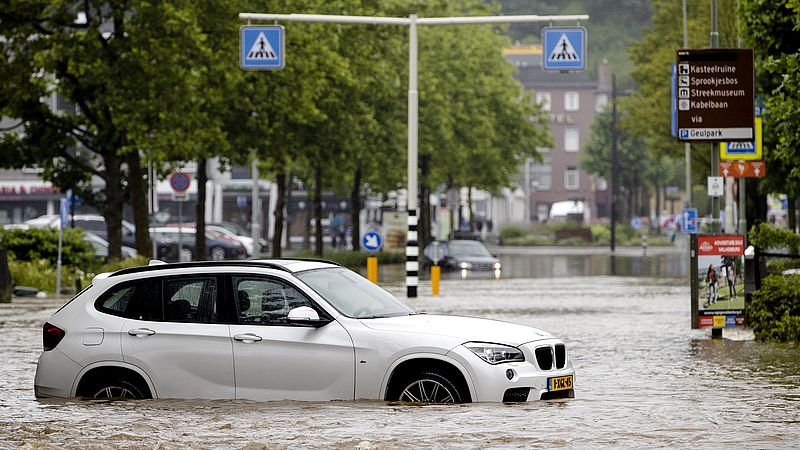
(564, 49)
(372, 241)
(262, 47)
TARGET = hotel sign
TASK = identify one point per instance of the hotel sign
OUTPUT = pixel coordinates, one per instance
(715, 90)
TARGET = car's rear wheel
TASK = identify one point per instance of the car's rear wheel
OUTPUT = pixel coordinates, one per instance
(116, 389)
(429, 387)
(217, 254)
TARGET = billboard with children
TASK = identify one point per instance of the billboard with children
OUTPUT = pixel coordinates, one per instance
(720, 280)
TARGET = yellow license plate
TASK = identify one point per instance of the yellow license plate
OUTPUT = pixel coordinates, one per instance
(559, 383)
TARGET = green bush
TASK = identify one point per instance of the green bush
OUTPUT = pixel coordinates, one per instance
(774, 310)
(37, 244)
(511, 232)
(529, 240)
(41, 274)
(353, 259)
(601, 234)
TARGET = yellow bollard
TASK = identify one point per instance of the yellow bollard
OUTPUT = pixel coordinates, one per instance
(372, 269)
(436, 274)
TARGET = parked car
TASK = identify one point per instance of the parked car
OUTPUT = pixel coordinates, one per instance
(469, 255)
(100, 246)
(217, 230)
(94, 223)
(219, 247)
(288, 330)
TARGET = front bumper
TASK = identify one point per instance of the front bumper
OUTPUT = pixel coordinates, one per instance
(514, 382)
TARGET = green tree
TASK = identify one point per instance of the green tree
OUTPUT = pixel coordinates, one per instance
(128, 69)
(772, 28)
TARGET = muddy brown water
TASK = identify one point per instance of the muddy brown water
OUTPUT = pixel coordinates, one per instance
(643, 378)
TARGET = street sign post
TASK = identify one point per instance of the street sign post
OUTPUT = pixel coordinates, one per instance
(564, 48)
(715, 94)
(715, 186)
(180, 181)
(262, 47)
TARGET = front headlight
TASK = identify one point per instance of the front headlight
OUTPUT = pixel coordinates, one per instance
(465, 265)
(497, 266)
(495, 353)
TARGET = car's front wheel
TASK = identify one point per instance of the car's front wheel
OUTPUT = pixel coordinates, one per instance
(217, 254)
(429, 387)
(117, 389)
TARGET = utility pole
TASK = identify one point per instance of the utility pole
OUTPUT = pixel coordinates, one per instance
(687, 147)
(614, 164)
(412, 248)
(715, 202)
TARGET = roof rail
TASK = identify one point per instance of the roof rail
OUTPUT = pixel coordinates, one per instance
(156, 267)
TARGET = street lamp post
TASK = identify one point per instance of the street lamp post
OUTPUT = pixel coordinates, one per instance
(412, 249)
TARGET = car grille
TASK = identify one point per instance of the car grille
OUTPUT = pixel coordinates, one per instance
(483, 266)
(516, 395)
(545, 355)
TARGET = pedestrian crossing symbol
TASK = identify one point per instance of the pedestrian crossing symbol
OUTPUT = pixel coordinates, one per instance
(564, 49)
(261, 47)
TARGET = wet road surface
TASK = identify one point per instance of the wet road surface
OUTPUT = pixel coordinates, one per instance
(643, 378)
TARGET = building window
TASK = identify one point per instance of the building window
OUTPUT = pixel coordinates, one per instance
(543, 99)
(571, 101)
(572, 139)
(541, 174)
(572, 179)
(602, 184)
(600, 102)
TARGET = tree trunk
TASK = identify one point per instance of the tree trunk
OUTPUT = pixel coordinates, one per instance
(424, 224)
(112, 208)
(318, 210)
(355, 210)
(657, 225)
(200, 211)
(471, 212)
(791, 214)
(280, 205)
(307, 216)
(138, 194)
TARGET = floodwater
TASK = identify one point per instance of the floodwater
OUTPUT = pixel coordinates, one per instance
(643, 378)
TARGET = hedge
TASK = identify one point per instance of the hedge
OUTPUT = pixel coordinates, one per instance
(774, 310)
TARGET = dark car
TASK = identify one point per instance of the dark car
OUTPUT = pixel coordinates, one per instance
(218, 248)
(469, 255)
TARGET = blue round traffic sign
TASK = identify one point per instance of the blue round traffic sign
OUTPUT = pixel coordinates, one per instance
(372, 241)
(179, 181)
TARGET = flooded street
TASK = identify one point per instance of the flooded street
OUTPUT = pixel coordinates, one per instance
(643, 378)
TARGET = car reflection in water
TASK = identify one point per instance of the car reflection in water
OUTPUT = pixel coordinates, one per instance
(470, 258)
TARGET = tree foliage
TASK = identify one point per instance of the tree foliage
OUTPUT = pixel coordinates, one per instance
(772, 28)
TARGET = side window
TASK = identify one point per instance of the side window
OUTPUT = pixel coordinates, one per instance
(266, 301)
(190, 299)
(140, 300)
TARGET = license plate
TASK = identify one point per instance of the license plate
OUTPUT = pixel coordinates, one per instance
(559, 383)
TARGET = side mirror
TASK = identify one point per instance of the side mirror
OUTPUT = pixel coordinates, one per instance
(304, 315)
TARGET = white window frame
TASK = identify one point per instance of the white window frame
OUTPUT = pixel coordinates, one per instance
(570, 174)
(572, 139)
(572, 101)
(544, 98)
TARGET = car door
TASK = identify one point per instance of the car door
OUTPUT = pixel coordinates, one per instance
(275, 360)
(180, 340)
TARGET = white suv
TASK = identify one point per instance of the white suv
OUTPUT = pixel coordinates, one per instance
(283, 329)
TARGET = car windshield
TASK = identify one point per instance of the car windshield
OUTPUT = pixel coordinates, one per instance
(354, 295)
(467, 248)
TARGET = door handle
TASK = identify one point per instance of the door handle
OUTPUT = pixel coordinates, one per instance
(141, 332)
(247, 338)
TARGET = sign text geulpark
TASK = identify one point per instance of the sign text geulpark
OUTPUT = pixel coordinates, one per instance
(715, 89)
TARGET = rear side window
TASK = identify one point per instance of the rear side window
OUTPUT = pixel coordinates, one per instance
(190, 299)
(140, 300)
